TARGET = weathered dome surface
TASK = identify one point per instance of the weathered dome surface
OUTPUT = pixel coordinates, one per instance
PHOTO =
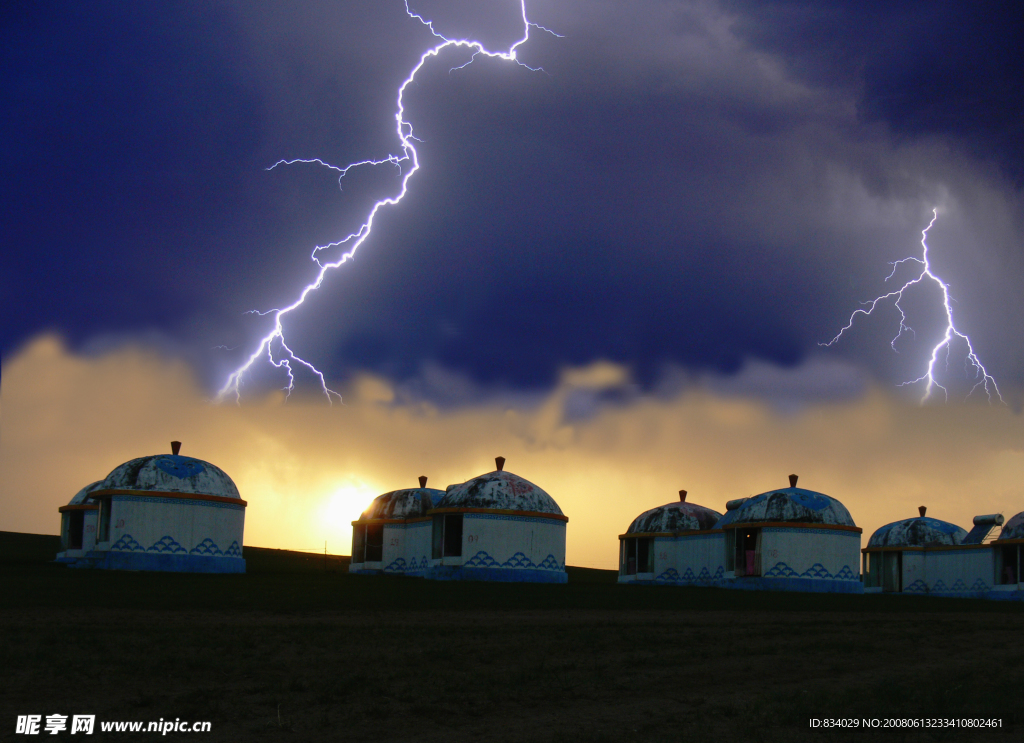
(499, 490)
(402, 504)
(672, 517)
(171, 473)
(1014, 528)
(82, 495)
(917, 532)
(789, 504)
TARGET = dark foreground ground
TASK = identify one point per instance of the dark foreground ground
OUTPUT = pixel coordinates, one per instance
(298, 650)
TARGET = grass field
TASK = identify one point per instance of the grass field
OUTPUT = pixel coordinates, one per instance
(297, 649)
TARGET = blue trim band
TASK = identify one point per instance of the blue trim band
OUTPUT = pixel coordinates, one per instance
(797, 530)
(507, 575)
(685, 537)
(177, 502)
(503, 517)
(807, 585)
(174, 563)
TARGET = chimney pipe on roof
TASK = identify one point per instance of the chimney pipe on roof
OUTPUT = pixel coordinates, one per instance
(175, 447)
(500, 462)
(682, 496)
(792, 481)
(423, 481)
(921, 510)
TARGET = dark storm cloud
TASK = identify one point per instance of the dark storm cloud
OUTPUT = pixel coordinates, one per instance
(686, 188)
(923, 68)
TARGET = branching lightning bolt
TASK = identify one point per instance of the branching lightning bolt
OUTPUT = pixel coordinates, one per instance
(972, 363)
(272, 347)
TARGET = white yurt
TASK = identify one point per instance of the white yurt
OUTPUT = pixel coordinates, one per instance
(791, 539)
(393, 535)
(168, 512)
(1007, 558)
(673, 544)
(500, 527)
(924, 555)
(78, 525)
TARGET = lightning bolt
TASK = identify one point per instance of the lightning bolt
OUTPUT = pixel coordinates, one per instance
(272, 347)
(971, 364)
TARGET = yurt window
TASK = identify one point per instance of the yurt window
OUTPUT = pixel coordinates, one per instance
(374, 542)
(104, 532)
(748, 552)
(637, 556)
(437, 541)
(453, 535)
(358, 543)
(63, 531)
(447, 536)
(645, 555)
(872, 570)
(892, 571)
(76, 523)
(1010, 564)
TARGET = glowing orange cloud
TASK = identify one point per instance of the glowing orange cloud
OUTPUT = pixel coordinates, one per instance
(307, 470)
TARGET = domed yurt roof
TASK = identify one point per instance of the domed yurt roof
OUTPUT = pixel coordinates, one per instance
(918, 532)
(791, 504)
(409, 503)
(1014, 528)
(171, 473)
(83, 495)
(675, 517)
(500, 491)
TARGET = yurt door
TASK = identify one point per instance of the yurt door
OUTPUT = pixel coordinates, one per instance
(748, 552)
(892, 572)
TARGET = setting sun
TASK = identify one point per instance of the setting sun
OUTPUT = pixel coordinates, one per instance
(340, 508)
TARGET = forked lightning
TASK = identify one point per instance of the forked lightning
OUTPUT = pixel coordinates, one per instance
(972, 363)
(272, 347)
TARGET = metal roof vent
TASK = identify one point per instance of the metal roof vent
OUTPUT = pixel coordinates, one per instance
(175, 447)
(500, 462)
(922, 510)
(423, 481)
(682, 496)
(792, 481)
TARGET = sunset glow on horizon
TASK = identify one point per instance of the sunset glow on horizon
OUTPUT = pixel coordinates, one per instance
(307, 471)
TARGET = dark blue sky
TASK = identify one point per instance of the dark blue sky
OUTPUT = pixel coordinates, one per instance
(687, 189)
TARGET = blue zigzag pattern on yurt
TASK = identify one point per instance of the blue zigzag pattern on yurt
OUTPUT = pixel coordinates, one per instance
(206, 547)
(704, 576)
(549, 563)
(166, 544)
(234, 550)
(817, 571)
(482, 560)
(398, 566)
(941, 586)
(980, 585)
(127, 544)
(917, 586)
(846, 574)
